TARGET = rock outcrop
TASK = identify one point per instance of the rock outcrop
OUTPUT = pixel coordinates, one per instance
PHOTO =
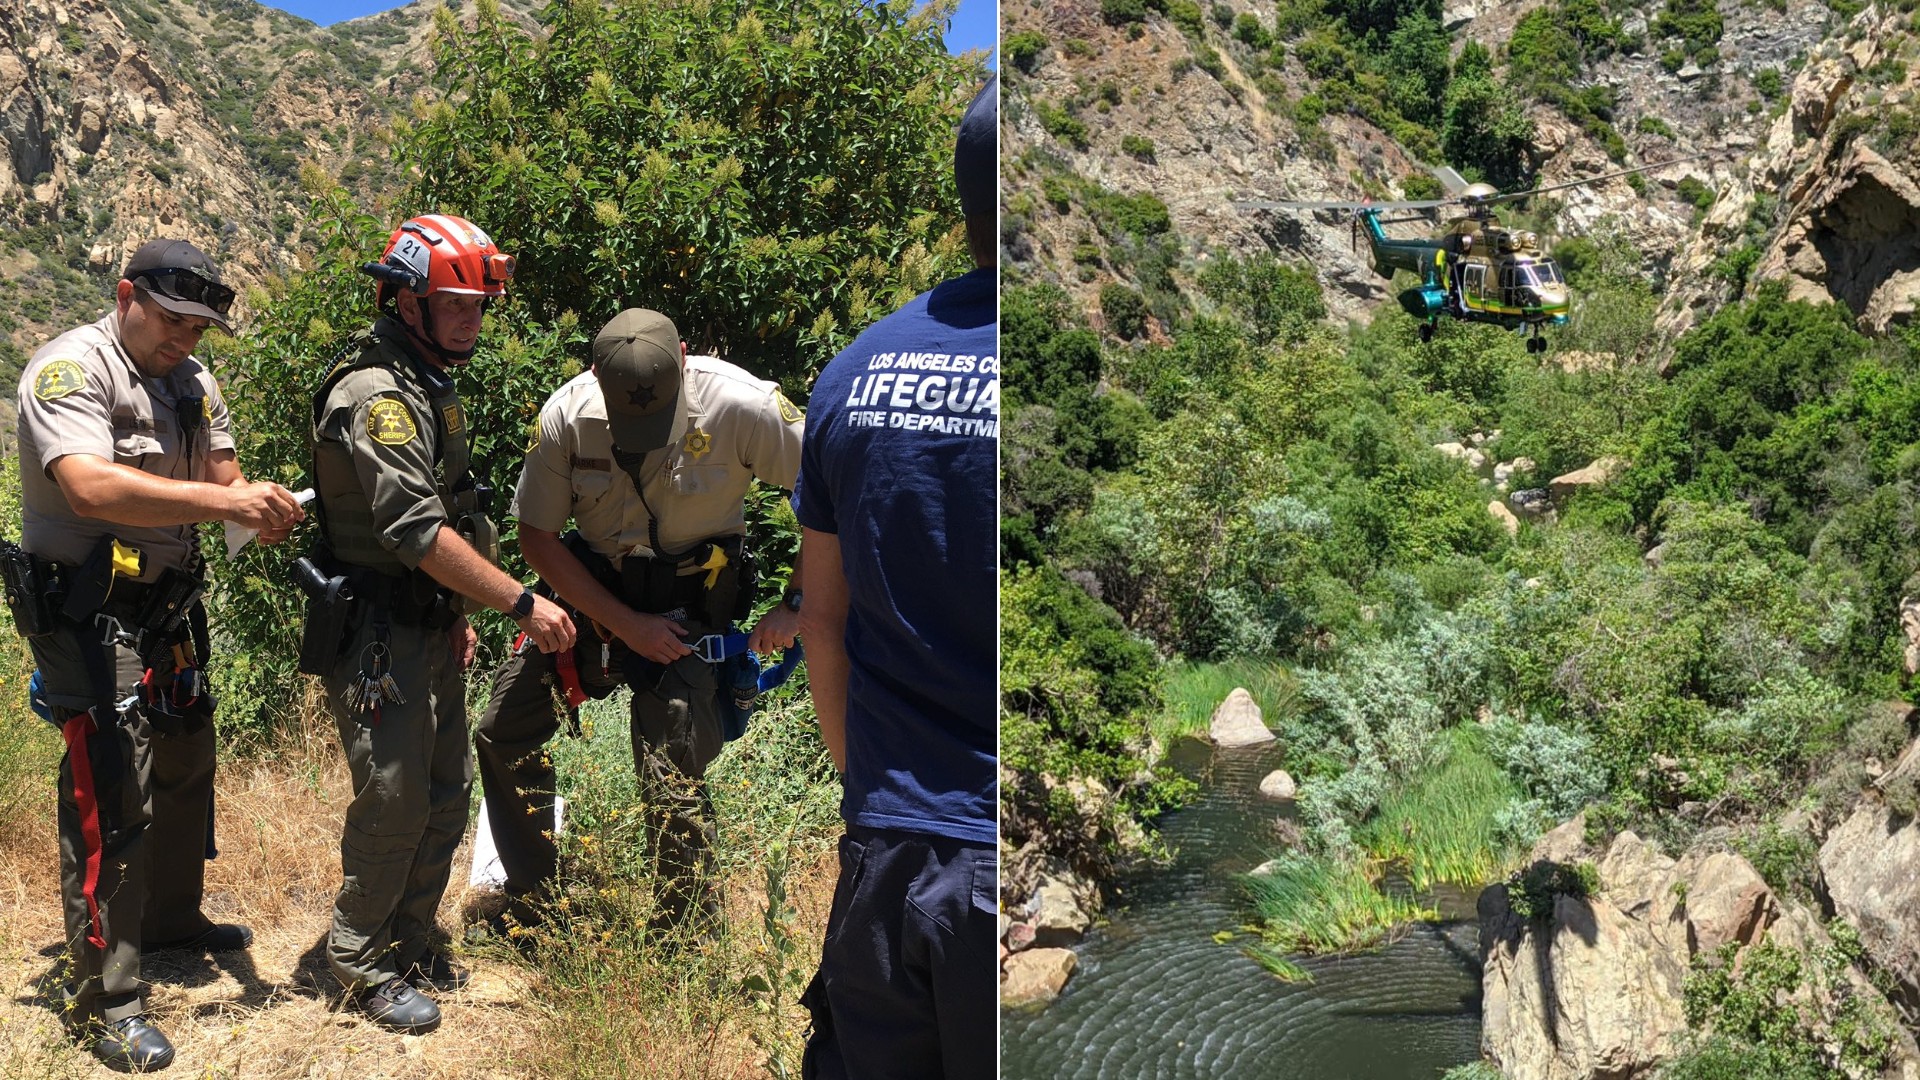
(1592, 988)
(1870, 864)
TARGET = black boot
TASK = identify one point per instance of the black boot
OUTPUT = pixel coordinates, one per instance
(396, 1006)
(216, 938)
(436, 971)
(131, 1044)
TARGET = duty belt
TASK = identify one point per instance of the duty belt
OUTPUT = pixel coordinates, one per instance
(399, 596)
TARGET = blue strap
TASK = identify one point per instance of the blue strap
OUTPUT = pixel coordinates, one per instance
(714, 648)
(777, 674)
(37, 698)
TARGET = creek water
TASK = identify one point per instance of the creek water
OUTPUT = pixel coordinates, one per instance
(1155, 998)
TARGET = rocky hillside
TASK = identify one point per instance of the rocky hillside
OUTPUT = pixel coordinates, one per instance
(1791, 134)
(126, 119)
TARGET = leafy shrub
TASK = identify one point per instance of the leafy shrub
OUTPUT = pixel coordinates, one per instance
(1060, 123)
(1023, 49)
(1797, 1010)
(1533, 892)
(1124, 310)
(1691, 190)
(1077, 692)
(1138, 146)
(1653, 125)
(689, 161)
(1787, 861)
(1697, 22)
(1248, 31)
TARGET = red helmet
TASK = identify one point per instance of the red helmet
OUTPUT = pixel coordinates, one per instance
(441, 253)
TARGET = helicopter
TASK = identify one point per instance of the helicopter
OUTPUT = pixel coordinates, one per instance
(1477, 269)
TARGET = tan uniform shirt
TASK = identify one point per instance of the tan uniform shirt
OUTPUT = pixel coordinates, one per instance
(81, 394)
(737, 427)
(389, 441)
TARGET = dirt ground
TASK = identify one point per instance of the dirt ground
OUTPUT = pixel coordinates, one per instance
(275, 1011)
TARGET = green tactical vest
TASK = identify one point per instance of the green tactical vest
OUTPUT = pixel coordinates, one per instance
(345, 510)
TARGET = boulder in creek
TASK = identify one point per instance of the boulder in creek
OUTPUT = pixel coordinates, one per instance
(1237, 721)
(1057, 913)
(1278, 785)
(1036, 976)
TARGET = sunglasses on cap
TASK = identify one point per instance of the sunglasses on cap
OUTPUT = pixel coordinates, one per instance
(179, 283)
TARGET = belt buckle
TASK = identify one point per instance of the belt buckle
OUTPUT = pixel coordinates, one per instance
(710, 648)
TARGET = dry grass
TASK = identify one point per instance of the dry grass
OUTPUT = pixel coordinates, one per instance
(274, 1012)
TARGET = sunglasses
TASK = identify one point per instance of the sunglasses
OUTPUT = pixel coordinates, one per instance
(180, 283)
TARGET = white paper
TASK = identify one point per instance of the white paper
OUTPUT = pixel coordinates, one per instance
(239, 536)
(487, 871)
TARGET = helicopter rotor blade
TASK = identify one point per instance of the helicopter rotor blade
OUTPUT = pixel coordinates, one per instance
(1271, 204)
(1583, 181)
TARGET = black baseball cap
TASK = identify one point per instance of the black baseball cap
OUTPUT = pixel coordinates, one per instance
(636, 357)
(976, 154)
(181, 279)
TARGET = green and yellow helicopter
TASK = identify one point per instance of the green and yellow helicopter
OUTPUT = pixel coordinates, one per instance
(1477, 269)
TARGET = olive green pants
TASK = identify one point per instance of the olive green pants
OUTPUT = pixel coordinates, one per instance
(411, 778)
(154, 794)
(675, 725)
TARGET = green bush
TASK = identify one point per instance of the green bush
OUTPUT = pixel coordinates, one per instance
(1533, 892)
(1794, 1011)
(1138, 146)
(1248, 31)
(1122, 12)
(691, 158)
(1698, 22)
(1077, 694)
(1023, 49)
(1060, 123)
(1124, 310)
(1692, 190)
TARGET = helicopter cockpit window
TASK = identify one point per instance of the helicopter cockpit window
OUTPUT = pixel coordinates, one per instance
(1543, 274)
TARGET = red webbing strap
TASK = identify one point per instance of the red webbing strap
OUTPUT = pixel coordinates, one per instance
(84, 796)
(563, 665)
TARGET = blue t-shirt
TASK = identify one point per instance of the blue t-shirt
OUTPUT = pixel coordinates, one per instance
(900, 461)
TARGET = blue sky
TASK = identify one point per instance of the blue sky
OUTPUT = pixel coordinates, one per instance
(973, 27)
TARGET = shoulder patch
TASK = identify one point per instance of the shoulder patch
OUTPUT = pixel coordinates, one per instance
(58, 379)
(390, 423)
(788, 410)
(454, 417)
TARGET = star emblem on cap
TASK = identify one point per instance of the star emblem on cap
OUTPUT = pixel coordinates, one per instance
(642, 396)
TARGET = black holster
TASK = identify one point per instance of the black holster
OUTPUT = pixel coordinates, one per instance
(329, 611)
(34, 590)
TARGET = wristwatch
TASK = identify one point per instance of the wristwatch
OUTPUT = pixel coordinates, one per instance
(791, 599)
(523, 607)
